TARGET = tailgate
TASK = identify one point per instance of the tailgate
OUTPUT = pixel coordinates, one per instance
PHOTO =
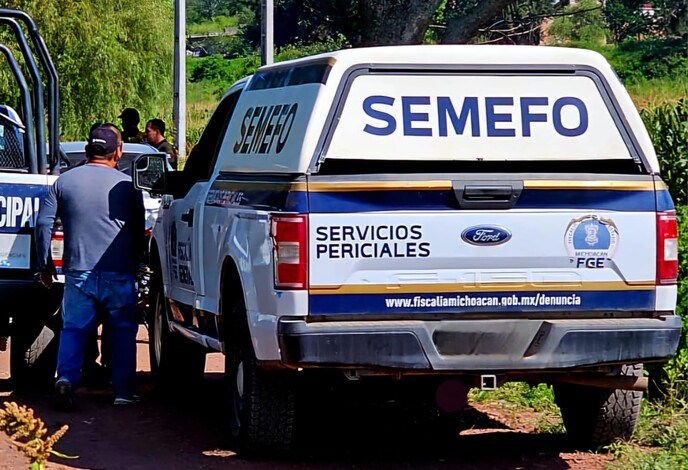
(468, 244)
(20, 198)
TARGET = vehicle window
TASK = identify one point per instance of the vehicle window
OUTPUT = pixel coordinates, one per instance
(11, 145)
(75, 159)
(199, 165)
(124, 163)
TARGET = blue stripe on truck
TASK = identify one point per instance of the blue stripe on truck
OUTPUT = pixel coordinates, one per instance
(484, 302)
(664, 202)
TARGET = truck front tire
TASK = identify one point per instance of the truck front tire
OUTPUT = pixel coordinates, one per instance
(596, 417)
(261, 402)
(177, 364)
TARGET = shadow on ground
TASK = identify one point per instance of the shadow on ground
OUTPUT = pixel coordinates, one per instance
(185, 431)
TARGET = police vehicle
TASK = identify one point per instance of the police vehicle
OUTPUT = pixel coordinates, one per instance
(430, 214)
(27, 168)
(74, 154)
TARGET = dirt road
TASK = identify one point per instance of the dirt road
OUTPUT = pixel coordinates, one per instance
(186, 433)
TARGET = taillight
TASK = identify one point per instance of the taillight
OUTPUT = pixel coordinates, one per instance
(57, 248)
(667, 248)
(289, 235)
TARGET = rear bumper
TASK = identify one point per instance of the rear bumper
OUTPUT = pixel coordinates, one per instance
(477, 345)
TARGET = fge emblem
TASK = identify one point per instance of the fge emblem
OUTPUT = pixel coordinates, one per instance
(591, 241)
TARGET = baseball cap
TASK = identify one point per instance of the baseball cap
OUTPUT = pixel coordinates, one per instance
(102, 141)
(130, 114)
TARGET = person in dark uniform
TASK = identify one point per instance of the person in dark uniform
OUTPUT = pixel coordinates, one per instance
(130, 126)
(155, 135)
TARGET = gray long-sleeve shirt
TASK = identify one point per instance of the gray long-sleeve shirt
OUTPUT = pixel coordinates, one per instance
(102, 217)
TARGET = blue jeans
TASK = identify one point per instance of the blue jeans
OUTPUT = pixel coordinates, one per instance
(115, 293)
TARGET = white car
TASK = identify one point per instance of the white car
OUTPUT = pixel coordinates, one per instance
(75, 155)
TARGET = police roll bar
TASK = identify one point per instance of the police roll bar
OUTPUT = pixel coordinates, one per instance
(38, 96)
(26, 103)
(53, 91)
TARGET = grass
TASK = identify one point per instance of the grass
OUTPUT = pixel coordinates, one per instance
(521, 395)
(656, 92)
(516, 397)
(660, 441)
(218, 25)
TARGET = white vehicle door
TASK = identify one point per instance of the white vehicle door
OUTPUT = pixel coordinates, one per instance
(186, 235)
(182, 242)
(216, 205)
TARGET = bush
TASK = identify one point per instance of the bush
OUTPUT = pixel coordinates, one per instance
(668, 128)
(635, 61)
(28, 433)
(674, 375)
(651, 58)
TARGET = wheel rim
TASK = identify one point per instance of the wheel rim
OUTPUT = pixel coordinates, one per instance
(240, 382)
(157, 331)
(237, 398)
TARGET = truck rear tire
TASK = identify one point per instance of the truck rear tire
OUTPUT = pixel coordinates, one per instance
(261, 403)
(177, 364)
(33, 350)
(596, 417)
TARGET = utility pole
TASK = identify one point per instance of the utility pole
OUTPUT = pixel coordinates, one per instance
(266, 32)
(179, 92)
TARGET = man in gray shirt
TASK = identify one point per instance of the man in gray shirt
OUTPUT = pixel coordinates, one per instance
(103, 222)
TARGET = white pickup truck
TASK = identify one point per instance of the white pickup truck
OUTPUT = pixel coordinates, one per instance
(474, 214)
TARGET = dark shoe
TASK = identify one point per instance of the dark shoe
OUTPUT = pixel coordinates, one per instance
(126, 401)
(64, 396)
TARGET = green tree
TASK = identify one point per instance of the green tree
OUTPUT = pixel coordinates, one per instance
(206, 10)
(624, 19)
(310, 21)
(108, 55)
(375, 22)
(513, 22)
(671, 18)
(582, 21)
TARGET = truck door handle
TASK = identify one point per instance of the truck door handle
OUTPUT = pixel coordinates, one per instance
(187, 217)
(487, 193)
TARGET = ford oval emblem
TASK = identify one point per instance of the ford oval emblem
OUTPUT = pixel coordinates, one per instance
(486, 235)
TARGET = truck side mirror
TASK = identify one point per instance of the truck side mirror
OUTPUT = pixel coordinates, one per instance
(150, 173)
